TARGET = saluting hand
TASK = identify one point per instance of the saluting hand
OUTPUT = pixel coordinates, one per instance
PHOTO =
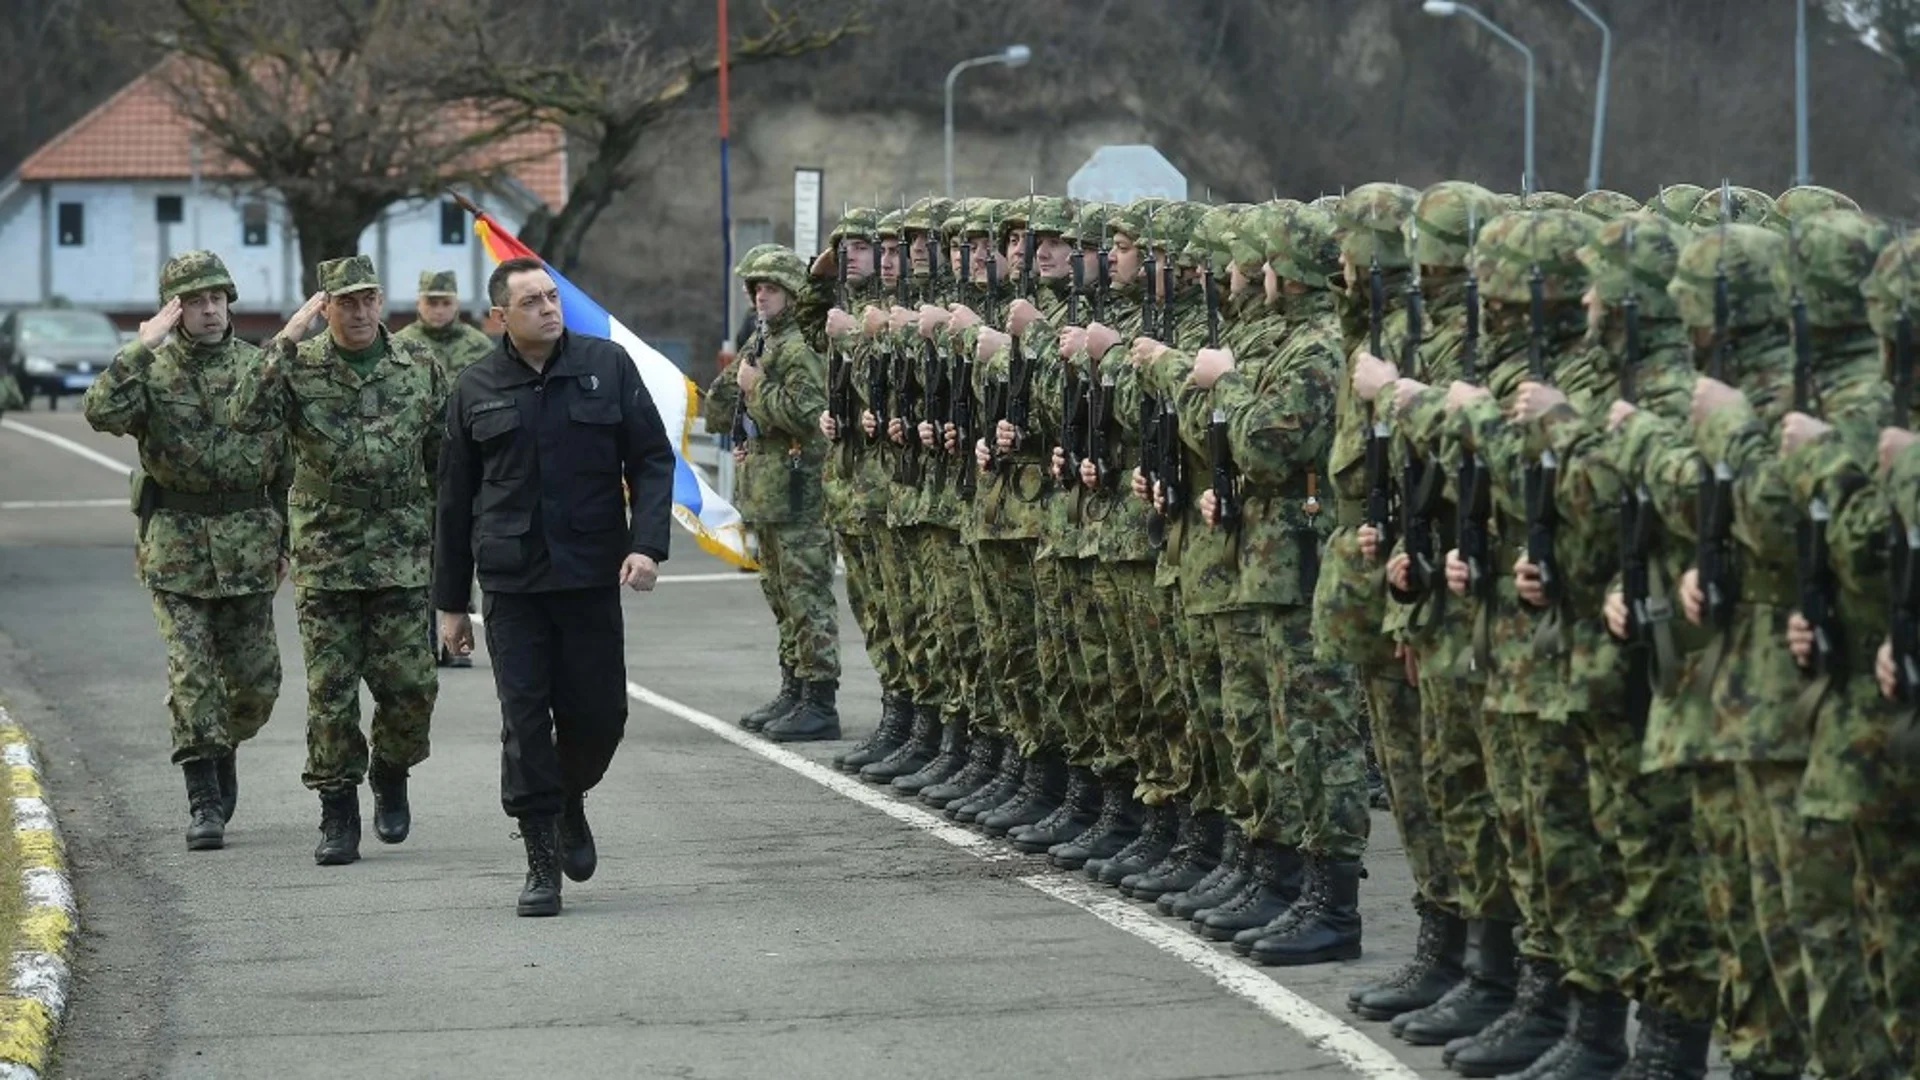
(302, 320)
(639, 573)
(153, 332)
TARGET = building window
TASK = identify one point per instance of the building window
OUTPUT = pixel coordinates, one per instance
(453, 225)
(73, 224)
(169, 209)
(253, 224)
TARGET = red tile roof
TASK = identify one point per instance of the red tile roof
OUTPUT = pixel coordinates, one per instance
(138, 134)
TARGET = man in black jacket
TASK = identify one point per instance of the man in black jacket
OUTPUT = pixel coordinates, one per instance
(539, 436)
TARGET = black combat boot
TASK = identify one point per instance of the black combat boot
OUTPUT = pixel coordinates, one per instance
(783, 702)
(1221, 884)
(1272, 887)
(955, 740)
(983, 764)
(1117, 826)
(896, 716)
(229, 772)
(813, 720)
(541, 895)
(1476, 1001)
(1670, 1047)
(1004, 785)
(1311, 886)
(1079, 808)
(1596, 1045)
(1535, 1023)
(392, 817)
(1439, 962)
(578, 857)
(1329, 930)
(923, 742)
(1195, 853)
(1042, 786)
(1152, 845)
(207, 826)
(339, 828)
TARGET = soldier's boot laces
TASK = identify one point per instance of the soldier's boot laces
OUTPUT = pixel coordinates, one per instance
(1276, 881)
(339, 828)
(783, 702)
(206, 825)
(228, 769)
(1329, 927)
(1536, 1023)
(1004, 785)
(1042, 785)
(578, 856)
(1194, 855)
(1079, 808)
(895, 716)
(955, 741)
(1312, 886)
(1670, 1047)
(1596, 1044)
(815, 719)
(1117, 826)
(392, 815)
(1439, 959)
(540, 897)
(911, 755)
(1146, 851)
(1477, 1000)
(983, 762)
(1223, 881)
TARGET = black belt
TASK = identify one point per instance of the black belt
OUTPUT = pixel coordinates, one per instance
(209, 502)
(356, 497)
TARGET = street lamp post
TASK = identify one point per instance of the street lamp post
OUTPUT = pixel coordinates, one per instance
(1801, 172)
(1445, 8)
(1012, 56)
(1600, 94)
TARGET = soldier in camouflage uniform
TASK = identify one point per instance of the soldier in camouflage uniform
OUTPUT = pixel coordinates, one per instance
(213, 530)
(364, 414)
(773, 394)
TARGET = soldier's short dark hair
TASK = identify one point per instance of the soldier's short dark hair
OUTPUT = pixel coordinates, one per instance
(497, 291)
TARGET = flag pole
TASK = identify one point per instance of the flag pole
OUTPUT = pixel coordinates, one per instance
(726, 197)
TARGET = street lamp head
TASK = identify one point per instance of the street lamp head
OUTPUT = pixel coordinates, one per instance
(1440, 7)
(1016, 55)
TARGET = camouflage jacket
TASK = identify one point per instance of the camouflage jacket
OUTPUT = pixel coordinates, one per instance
(779, 482)
(1116, 529)
(365, 453)
(1014, 501)
(457, 346)
(1434, 622)
(174, 402)
(1166, 379)
(854, 481)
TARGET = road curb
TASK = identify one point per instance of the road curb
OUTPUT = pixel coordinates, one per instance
(35, 998)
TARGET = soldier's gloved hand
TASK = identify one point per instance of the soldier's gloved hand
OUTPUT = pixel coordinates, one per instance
(1400, 571)
(1893, 442)
(1369, 538)
(870, 422)
(1209, 365)
(1404, 391)
(926, 434)
(828, 426)
(1693, 599)
(1710, 396)
(155, 331)
(1798, 429)
(1618, 412)
(1615, 609)
(1885, 673)
(1072, 340)
(1100, 339)
(302, 320)
(1800, 639)
(1089, 474)
(1458, 573)
(1210, 507)
(1371, 374)
(1526, 581)
(981, 457)
(1140, 485)
(1003, 435)
(840, 324)
(897, 431)
(1462, 394)
(456, 632)
(1534, 401)
(1020, 315)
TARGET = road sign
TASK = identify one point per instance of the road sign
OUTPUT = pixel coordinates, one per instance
(1121, 174)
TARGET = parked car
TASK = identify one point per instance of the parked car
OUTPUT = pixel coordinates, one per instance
(54, 352)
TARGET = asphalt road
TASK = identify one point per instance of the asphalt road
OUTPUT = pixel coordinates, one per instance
(747, 920)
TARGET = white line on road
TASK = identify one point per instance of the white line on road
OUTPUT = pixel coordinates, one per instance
(61, 504)
(1321, 1029)
(70, 446)
(708, 579)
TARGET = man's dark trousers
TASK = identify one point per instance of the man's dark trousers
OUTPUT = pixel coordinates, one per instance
(559, 667)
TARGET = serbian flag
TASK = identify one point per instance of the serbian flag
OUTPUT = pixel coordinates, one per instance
(699, 509)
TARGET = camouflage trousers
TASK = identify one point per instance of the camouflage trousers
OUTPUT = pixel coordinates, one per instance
(959, 688)
(1262, 791)
(1500, 754)
(1159, 628)
(1762, 1028)
(1118, 588)
(796, 577)
(1204, 759)
(1003, 590)
(350, 636)
(866, 598)
(1809, 926)
(1886, 885)
(223, 670)
(1580, 883)
(1393, 710)
(1073, 641)
(905, 584)
(1454, 771)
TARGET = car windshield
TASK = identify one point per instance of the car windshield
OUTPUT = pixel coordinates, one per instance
(68, 328)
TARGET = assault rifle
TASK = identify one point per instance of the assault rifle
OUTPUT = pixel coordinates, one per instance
(1379, 512)
(1543, 473)
(1713, 557)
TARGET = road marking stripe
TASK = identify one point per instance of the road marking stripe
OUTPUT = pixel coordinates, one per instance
(1321, 1029)
(69, 446)
(62, 504)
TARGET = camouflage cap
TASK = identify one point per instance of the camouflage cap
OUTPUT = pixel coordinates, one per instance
(1606, 205)
(927, 214)
(439, 283)
(1829, 255)
(1089, 221)
(1447, 215)
(1745, 207)
(776, 263)
(1675, 202)
(860, 222)
(1893, 287)
(1309, 247)
(351, 274)
(1798, 202)
(195, 271)
(1747, 254)
(1636, 253)
(1546, 200)
(1514, 244)
(1371, 218)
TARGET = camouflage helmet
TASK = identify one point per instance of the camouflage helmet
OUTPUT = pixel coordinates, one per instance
(860, 222)
(1545, 200)
(1255, 236)
(1089, 223)
(1747, 254)
(926, 215)
(955, 220)
(1329, 203)
(193, 271)
(1745, 206)
(1445, 219)
(891, 226)
(1893, 288)
(1797, 202)
(1212, 237)
(1635, 254)
(1513, 245)
(1829, 255)
(1135, 218)
(1371, 218)
(989, 216)
(1173, 226)
(1053, 215)
(1606, 205)
(1309, 246)
(775, 263)
(1675, 202)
